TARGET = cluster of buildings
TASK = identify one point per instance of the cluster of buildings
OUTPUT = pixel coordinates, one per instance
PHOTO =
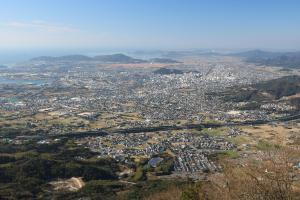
(191, 151)
(192, 163)
(283, 107)
(89, 91)
(81, 94)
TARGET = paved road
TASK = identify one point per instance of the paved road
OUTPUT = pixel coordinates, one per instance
(104, 132)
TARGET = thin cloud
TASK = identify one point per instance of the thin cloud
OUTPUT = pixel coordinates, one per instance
(40, 25)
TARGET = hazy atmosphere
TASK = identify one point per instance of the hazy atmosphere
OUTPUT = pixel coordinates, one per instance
(150, 99)
(168, 24)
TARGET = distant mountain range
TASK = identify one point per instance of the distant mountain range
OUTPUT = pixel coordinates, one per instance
(187, 53)
(62, 58)
(114, 58)
(259, 57)
(119, 58)
(281, 59)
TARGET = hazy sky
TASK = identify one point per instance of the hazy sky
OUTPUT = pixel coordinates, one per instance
(166, 24)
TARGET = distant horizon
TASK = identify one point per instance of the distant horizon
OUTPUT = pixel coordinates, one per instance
(13, 56)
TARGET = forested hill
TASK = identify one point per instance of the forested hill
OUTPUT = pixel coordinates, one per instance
(285, 89)
(281, 59)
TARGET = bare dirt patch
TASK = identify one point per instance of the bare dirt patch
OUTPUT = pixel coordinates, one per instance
(73, 184)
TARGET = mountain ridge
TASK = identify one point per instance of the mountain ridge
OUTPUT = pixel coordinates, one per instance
(281, 59)
(112, 58)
